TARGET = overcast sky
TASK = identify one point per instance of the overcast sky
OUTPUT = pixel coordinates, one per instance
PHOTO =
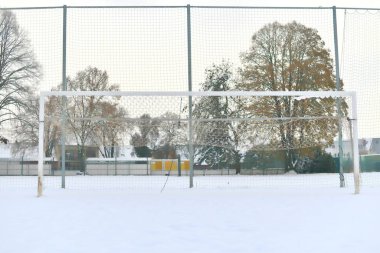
(306, 3)
(105, 39)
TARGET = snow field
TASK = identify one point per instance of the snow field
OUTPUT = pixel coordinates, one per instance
(220, 220)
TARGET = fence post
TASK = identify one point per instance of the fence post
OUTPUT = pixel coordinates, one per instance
(64, 88)
(179, 165)
(147, 166)
(338, 102)
(189, 78)
(22, 165)
(52, 166)
(115, 164)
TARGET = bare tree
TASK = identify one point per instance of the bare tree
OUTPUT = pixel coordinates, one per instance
(83, 109)
(146, 138)
(108, 131)
(52, 125)
(172, 136)
(25, 126)
(19, 70)
(172, 132)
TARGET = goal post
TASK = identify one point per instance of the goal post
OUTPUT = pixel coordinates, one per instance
(355, 143)
(40, 172)
(225, 124)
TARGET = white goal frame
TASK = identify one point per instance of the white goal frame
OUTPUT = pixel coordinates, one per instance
(190, 94)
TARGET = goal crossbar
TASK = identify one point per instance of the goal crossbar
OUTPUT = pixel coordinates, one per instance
(232, 93)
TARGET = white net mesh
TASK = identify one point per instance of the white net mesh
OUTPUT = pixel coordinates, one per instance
(147, 134)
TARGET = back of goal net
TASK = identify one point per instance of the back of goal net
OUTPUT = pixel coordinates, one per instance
(211, 133)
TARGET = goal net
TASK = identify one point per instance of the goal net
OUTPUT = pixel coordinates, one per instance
(201, 136)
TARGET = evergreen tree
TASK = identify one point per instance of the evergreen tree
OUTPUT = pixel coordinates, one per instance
(216, 137)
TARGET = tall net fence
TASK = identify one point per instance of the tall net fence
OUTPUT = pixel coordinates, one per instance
(181, 48)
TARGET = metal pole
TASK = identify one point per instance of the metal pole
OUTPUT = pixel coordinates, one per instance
(179, 165)
(338, 102)
(41, 147)
(147, 166)
(190, 88)
(22, 165)
(64, 102)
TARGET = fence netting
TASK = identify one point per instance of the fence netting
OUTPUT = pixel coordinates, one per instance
(183, 48)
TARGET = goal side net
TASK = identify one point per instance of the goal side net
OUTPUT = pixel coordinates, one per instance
(200, 133)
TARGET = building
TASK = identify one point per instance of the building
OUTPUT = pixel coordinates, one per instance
(364, 147)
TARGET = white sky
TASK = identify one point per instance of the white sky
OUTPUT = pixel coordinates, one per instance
(308, 3)
(97, 30)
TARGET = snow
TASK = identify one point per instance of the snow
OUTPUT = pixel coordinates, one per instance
(214, 219)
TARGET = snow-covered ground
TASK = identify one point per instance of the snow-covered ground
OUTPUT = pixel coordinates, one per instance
(218, 219)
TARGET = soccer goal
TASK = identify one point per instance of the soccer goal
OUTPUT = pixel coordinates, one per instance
(195, 134)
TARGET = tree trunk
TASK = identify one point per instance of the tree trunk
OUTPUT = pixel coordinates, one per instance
(237, 164)
(289, 156)
(82, 159)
